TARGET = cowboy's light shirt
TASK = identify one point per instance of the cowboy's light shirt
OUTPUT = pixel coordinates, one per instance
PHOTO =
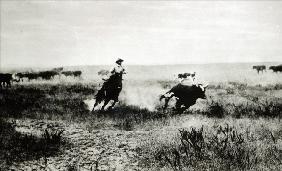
(117, 69)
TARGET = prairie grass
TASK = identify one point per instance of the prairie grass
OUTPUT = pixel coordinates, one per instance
(238, 99)
(237, 128)
(201, 143)
(17, 147)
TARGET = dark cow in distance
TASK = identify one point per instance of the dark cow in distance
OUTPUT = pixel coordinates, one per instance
(276, 69)
(6, 79)
(259, 68)
(77, 73)
(72, 73)
(21, 75)
(59, 69)
(186, 96)
(47, 75)
(28, 75)
(67, 73)
(32, 76)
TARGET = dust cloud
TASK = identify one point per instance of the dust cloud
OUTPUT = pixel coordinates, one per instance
(142, 95)
(137, 93)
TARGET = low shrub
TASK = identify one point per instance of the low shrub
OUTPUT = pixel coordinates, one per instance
(17, 147)
(225, 149)
(269, 109)
(257, 107)
(215, 109)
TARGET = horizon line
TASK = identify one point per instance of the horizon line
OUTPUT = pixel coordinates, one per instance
(55, 66)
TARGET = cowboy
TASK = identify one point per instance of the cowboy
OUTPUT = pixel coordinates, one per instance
(118, 68)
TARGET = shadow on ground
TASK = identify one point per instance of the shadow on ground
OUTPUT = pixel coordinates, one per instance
(17, 147)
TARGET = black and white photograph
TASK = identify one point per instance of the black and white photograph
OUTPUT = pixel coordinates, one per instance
(140, 85)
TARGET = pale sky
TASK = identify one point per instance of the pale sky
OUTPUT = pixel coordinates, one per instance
(59, 33)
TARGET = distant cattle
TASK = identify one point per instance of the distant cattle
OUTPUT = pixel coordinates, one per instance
(277, 68)
(47, 75)
(32, 76)
(59, 69)
(67, 73)
(77, 73)
(27, 75)
(21, 76)
(6, 79)
(259, 68)
(186, 96)
(72, 73)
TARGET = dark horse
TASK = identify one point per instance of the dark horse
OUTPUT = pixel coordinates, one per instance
(109, 91)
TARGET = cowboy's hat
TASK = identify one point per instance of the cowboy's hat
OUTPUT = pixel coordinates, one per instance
(119, 60)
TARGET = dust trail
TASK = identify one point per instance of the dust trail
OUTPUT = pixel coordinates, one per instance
(137, 93)
(142, 94)
(89, 104)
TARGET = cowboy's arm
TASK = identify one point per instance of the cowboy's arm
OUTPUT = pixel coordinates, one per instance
(113, 70)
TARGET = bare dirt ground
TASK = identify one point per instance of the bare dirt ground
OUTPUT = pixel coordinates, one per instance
(88, 150)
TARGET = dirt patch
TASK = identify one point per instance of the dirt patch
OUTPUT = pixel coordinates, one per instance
(99, 149)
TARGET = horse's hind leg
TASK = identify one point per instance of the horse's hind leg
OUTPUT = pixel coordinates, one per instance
(105, 104)
(96, 103)
(111, 107)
